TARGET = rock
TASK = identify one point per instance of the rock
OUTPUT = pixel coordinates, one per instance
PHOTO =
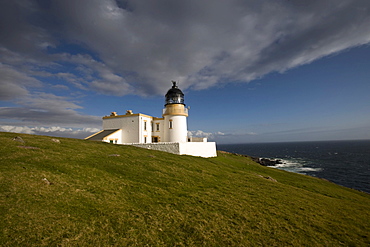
(18, 139)
(114, 155)
(261, 161)
(268, 178)
(256, 159)
(46, 181)
(268, 162)
(28, 147)
(272, 179)
(55, 140)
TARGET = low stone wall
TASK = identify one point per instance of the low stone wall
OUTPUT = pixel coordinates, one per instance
(169, 147)
(201, 149)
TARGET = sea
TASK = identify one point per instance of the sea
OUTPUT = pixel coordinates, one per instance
(346, 163)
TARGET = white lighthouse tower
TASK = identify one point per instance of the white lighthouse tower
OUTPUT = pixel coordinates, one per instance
(175, 116)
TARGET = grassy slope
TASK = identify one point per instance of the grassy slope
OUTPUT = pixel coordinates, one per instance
(146, 197)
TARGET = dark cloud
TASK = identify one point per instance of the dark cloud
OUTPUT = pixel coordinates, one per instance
(14, 83)
(137, 47)
(20, 30)
(202, 43)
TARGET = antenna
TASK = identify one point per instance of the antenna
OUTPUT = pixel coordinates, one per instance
(173, 84)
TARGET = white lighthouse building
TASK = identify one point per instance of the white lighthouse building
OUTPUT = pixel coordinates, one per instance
(168, 133)
(175, 114)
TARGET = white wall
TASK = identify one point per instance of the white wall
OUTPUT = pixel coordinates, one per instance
(159, 132)
(145, 132)
(128, 124)
(179, 130)
(197, 139)
(201, 149)
(115, 137)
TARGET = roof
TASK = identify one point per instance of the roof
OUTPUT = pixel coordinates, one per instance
(128, 115)
(174, 95)
(100, 135)
(174, 90)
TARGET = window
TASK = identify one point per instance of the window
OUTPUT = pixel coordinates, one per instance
(157, 126)
(152, 125)
(144, 139)
(144, 125)
(170, 124)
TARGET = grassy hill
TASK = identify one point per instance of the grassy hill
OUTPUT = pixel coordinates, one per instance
(81, 193)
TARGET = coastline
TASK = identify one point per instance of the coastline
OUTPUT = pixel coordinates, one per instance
(346, 163)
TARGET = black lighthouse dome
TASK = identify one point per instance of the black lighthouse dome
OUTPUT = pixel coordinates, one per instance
(174, 95)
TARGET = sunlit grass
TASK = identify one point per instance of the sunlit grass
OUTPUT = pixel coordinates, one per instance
(109, 195)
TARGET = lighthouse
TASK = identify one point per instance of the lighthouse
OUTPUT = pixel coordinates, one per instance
(168, 133)
(175, 116)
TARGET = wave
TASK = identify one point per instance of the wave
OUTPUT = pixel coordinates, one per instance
(296, 165)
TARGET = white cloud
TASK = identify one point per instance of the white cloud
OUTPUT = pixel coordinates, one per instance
(221, 137)
(209, 135)
(60, 87)
(16, 129)
(53, 130)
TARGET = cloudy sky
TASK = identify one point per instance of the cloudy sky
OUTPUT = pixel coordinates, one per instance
(251, 70)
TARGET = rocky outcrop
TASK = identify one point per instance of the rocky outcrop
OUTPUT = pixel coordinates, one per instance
(55, 140)
(18, 139)
(46, 181)
(261, 161)
(268, 178)
(269, 162)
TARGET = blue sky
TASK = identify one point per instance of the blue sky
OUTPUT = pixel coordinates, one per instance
(251, 71)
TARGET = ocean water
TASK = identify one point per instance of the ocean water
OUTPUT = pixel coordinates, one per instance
(346, 163)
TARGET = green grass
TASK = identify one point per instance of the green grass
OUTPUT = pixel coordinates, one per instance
(151, 198)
